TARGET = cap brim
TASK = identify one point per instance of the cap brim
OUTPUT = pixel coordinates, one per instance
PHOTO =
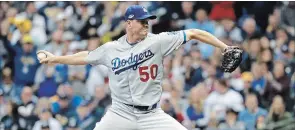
(147, 17)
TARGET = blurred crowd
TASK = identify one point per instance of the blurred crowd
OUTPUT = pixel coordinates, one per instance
(260, 94)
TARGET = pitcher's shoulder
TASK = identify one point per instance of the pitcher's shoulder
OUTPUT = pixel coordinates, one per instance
(153, 36)
(165, 34)
(111, 44)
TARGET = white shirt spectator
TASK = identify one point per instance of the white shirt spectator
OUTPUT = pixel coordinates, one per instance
(218, 103)
(53, 125)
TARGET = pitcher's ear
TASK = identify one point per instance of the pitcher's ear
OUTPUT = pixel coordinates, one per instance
(128, 23)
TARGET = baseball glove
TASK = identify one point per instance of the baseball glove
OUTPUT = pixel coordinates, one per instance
(232, 57)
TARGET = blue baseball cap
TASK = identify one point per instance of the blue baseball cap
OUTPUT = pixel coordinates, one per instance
(138, 12)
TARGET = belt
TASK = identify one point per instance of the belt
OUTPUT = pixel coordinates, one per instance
(143, 108)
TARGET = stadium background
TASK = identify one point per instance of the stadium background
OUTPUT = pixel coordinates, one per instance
(258, 95)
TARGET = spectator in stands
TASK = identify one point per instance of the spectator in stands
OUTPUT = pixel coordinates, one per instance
(288, 17)
(198, 95)
(187, 10)
(259, 81)
(286, 56)
(228, 32)
(59, 76)
(202, 22)
(55, 46)
(7, 84)
(196, 56)
(252, 112)
(177, 102)
(273, 25)
(252, 50)
(62, 106)
(281, 40)
(67, 89)
(7, 119)
(67, 38)
(66, 104)
(265, 43)
(25, 61)
(38, 27)
(61, 73)
(221, 99)
(92, 43)
(184, 16)
(83, 19)
(77, 74)
(195, 111)
(249, 28)
(192, 75)
(177, 65)
(231, 121)
(31, 13)
(25, 111)
(210, 75)
(48, 86)
(45, 116)
(6, 30)
(278, 83)
(42, 104)
(95, 75)
(85, 119)
(266, 57)
(248, 89)
(100, 102)
(169, 109)
(72, 124)
(278, 118)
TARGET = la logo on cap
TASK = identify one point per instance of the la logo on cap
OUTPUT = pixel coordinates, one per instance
(131, 16)
(144, 9)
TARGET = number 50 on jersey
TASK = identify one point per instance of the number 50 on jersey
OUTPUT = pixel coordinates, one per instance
(147, 72)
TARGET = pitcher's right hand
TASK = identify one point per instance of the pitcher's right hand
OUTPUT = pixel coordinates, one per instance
(49, 59)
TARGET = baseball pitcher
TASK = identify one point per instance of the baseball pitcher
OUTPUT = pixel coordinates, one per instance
(135, 67)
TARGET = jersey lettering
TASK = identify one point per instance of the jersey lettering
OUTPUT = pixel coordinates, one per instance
(121, 65)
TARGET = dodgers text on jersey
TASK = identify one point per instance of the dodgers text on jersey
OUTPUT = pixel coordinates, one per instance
(133, 61)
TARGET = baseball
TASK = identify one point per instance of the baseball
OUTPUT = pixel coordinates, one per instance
(41, 55)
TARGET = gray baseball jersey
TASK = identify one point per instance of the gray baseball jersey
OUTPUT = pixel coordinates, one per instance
(136, 70)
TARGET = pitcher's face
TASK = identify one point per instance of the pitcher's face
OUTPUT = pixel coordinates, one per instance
(140, 27)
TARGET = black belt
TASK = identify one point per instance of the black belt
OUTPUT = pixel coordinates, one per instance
(143, 108)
